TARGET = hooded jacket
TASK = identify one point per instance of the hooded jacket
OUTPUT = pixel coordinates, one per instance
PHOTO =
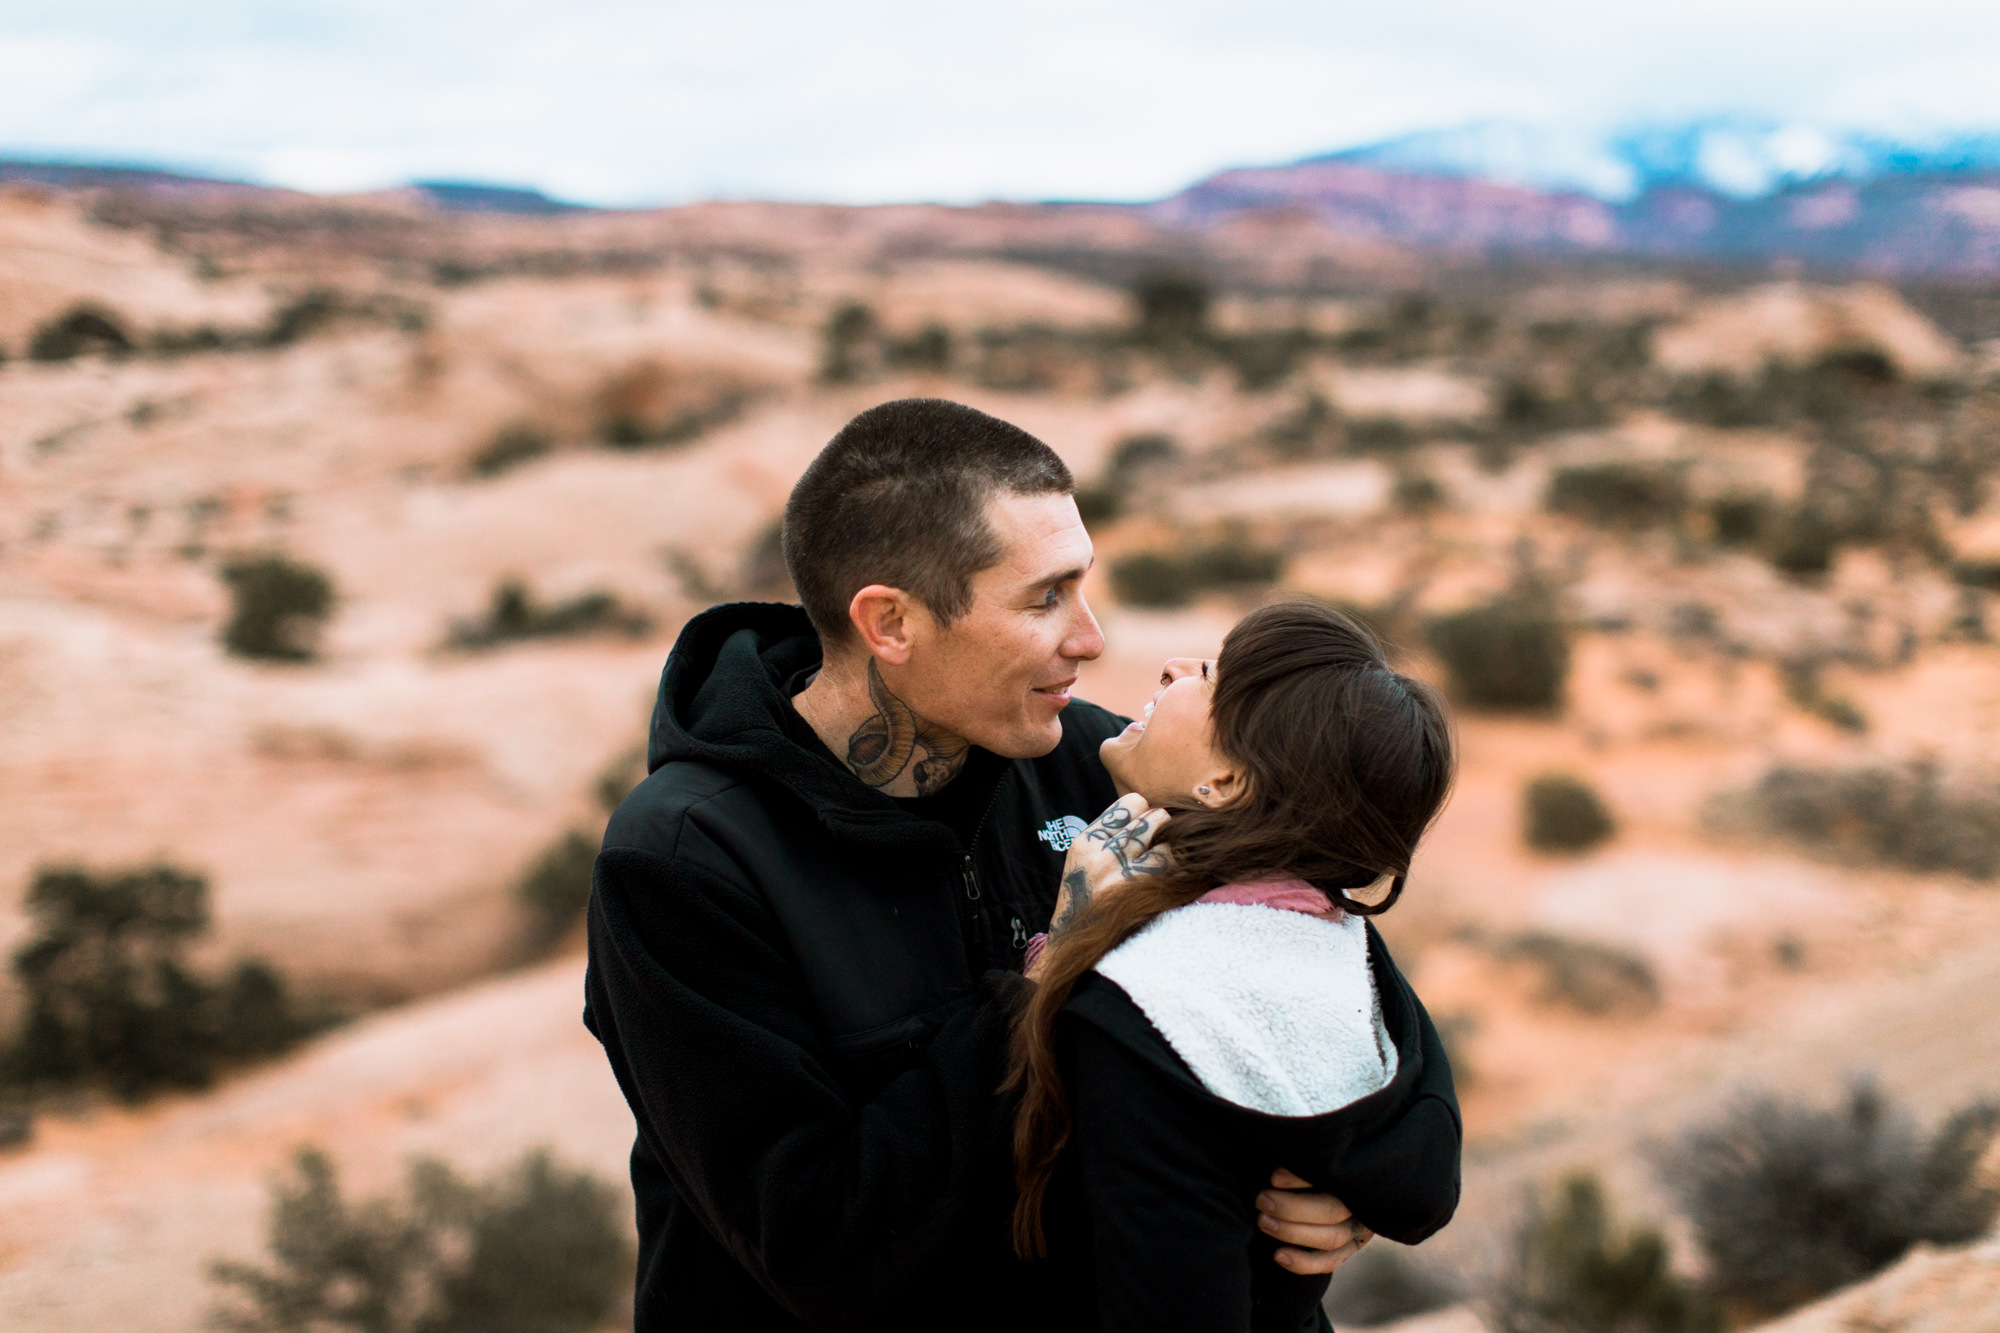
(804, 990)
(1215, 1042)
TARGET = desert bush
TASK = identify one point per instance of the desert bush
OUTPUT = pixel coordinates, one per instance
(1134, 453)
(1806, 691)
(1561, 813)
(627, 430)
(111, 999)
(514, 444)
(1740, 518)
(535, 1249)
(844, 342)
(555, 888)
(1264, 358)
(1163, 578)
(1619, 494)
(1982, 574)
(1417, 493)
(1572, 1269)
(1383, 1284)
(1802, 542)
(928, 349)
(1900, 815)
(85, 327)
(1511, 654)
(1170, 303)
(1585, 975)
(277, 607)
(1790, 1201)
(1309, 428)
(764, 572)
(515, 615)
(303, 316)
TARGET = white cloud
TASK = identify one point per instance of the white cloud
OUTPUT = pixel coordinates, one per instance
(626, 101)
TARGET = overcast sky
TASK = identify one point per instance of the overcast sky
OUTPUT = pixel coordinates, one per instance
(643, 101)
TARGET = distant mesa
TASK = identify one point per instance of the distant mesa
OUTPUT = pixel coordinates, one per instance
(113, 176)
(475, 197)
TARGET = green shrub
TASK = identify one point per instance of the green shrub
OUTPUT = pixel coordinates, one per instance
(303, 316)
(1136, 452)
(1587, 976)
(111, 999)
(1983, 574)
(1741, 518)
(1264, 358)
(1802, 542)
(535, 1249)
(764, 572)
(1511, 654)
(1805, 690)
(1170, 303)
(1619, 495)
(515, 444)
(1097, 504)
(1561, 813)
(1161, 578)
(1310, 428)
(844, 341)
(556, 886)
(515, 615)
(1417, 493)
(1790, 1201)
(1571, 1269)
(928, 349)
(1383, 1284)
(85, 327)
(1899, 815)
(278, 607)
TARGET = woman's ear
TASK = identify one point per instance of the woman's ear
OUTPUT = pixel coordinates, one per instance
(1221, 787)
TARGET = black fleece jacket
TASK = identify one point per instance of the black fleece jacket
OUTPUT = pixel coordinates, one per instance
(804, 989)
(1151, 1214)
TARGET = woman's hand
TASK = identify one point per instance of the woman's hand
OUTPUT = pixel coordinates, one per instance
(1116, 848)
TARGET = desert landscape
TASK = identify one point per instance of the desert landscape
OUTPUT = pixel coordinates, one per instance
(1705, 554)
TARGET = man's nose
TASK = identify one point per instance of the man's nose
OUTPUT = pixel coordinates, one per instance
(1086, 641)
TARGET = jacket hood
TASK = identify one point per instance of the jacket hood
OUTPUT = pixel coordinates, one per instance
(725, 702)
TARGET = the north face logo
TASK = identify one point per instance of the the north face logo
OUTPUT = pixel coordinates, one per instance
(1060, 833)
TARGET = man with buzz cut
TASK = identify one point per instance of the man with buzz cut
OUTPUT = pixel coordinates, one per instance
(808, 923)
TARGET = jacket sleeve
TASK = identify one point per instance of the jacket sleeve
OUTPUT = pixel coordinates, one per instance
(1404, 1182)
(836, 1206)
(1174, 1240)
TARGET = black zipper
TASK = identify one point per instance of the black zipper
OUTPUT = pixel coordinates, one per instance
(978, 949)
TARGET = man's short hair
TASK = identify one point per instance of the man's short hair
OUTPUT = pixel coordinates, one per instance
(898, 497)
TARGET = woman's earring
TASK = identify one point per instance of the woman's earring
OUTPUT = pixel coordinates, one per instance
(1204, 792)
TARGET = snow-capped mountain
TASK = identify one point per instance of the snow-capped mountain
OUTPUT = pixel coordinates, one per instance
(1740, 157)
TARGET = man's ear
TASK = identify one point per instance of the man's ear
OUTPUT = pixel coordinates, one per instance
(882, 617)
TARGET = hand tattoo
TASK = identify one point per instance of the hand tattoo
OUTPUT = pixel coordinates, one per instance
(1124, 836)
(1078, 885)
(882, 747)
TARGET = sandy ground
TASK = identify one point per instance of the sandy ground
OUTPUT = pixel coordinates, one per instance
(362, 819)
(111, 1220)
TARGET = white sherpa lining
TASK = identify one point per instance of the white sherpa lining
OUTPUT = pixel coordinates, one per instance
(1272, 1010)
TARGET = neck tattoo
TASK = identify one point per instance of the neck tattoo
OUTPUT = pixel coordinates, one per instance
(882, 747)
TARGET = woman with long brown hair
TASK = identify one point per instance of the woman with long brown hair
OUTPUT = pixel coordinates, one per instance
(1224, 1008)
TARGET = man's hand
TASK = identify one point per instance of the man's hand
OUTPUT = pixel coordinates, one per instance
(1116, 848)
(1316, 1232)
